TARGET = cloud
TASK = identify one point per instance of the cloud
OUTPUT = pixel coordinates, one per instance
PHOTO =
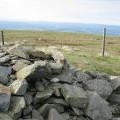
(91, 11)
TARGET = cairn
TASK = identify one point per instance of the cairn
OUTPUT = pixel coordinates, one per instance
(40, 85)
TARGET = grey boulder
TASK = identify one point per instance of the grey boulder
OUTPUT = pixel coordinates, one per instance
(75, 96)
(4, 74)
(102, 87)
(98, 108)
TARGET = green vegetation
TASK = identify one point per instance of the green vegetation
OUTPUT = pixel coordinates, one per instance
(85, 48)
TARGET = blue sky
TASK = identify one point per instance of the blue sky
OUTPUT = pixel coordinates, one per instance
(82, 11)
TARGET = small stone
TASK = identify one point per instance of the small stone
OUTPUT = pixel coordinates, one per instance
(28, 98)
(56, 67)
(19, 65)
(5, 116)
(54, 115)
(4, 59)
(5, 96)
(19, 87)
(36, 115)
(115, 108)
(56, 101)
(27, 110)
(77, 111)
(2, 54)
(21, 61)
(114, 98)
(16, 107)
(116, 118)
(75, 96)
(66, 77)
(41, 96)
(57, 56)
(54, 80)
(43, 110)
(65, 116)
(98, 108)
(4, 74)
(81, 76)
(115, 82)
(39, 86)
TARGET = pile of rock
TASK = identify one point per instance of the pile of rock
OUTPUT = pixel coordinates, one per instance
(39, 85)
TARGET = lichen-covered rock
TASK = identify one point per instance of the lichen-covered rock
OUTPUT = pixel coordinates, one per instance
(81, 76)
(75, 96)
(102, 87)
(98, 75)
(98, 108)
(5, 95)
(19, 87)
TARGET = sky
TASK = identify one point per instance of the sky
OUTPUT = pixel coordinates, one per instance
(79, 11)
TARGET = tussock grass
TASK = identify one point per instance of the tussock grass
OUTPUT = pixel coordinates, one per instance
(86, 48)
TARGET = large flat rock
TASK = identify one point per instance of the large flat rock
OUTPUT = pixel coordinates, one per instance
(34, 71)
(19, 51)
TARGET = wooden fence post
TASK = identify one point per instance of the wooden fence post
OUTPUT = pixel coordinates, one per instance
(2, 34)
(103, 42)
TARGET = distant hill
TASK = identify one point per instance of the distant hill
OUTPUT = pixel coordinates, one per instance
(61, 27)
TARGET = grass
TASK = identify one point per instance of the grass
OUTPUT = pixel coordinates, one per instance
(86, 48)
